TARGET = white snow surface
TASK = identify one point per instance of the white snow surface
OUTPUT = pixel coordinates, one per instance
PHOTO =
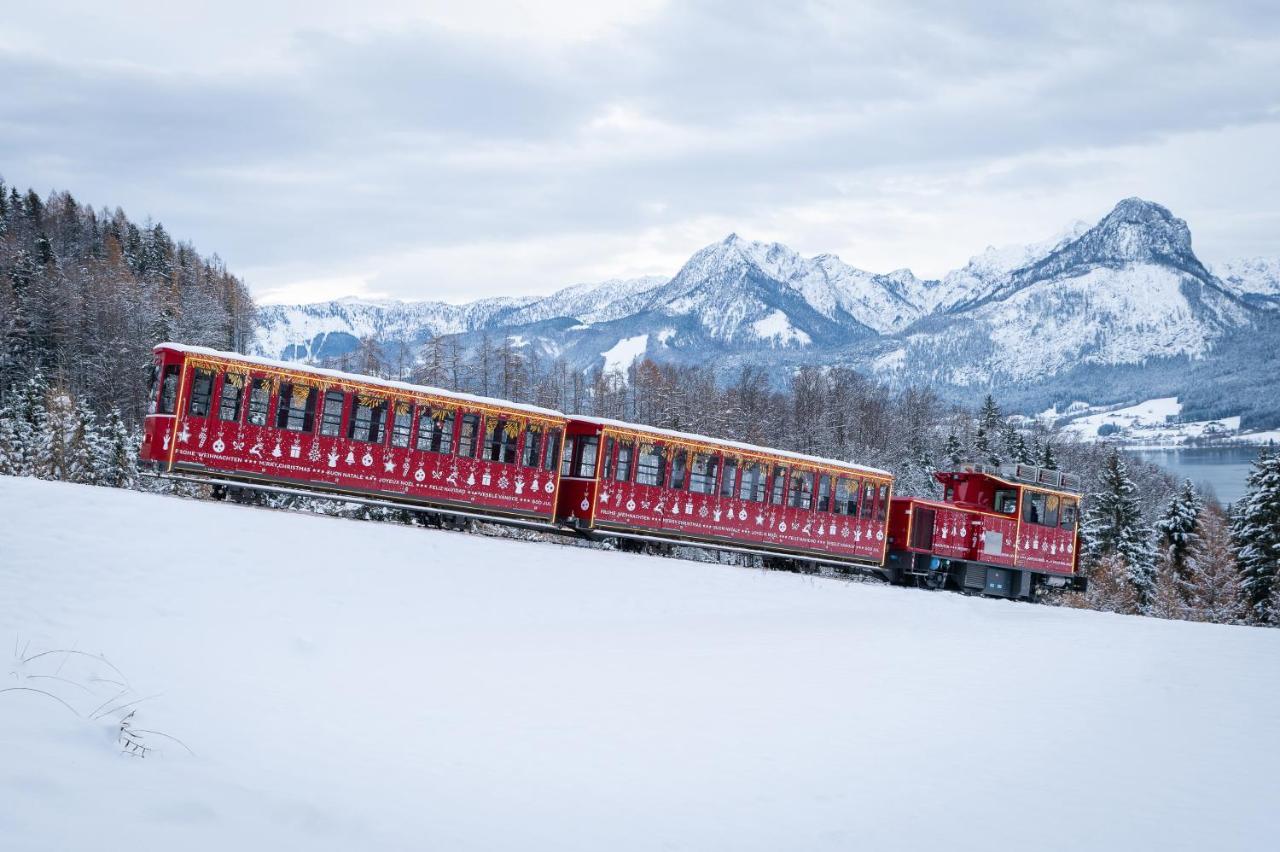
(778, 328)
(620, 356)
(1153, 423)
(348, 685)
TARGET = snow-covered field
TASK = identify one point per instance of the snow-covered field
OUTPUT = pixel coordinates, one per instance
(347, 685)
(1149, 424)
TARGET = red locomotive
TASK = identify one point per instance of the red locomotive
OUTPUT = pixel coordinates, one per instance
(239, 422)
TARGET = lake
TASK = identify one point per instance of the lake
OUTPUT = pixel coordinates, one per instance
(1221, 469)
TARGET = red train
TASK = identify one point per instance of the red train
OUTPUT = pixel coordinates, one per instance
(236, 421)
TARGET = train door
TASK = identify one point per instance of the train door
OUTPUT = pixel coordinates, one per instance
(922, 521)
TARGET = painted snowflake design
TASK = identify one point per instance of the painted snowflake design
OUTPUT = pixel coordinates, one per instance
(503, 482)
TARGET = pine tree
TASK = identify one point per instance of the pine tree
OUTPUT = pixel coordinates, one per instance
(1114, 528)
(84, 447)
(1179, 527)
(982, 448)
(1257, 537)
(989, 417)
(1015, 447)
(118, 455)
(953, 450)
(22, 424)
(1048, 460)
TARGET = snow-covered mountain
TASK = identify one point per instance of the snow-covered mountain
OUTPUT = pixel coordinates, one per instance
(1127, 292)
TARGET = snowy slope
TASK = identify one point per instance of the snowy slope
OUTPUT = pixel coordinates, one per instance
(347, 685)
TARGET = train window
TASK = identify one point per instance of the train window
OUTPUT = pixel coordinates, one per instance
(500, 440)
(1052, 503)
(779, 485)
(401, 425)
(169, 390)
(296, 409)
(702, 473)
(231, 397)
(846, 496)
(1006, 501)
(331, 413)
(625, 454)
(608, 458)
(469, 435)
(153, 376)
(678, 463)
(1033, 507)
(649, 464)
(729, 477)
(552, 455)
(201, 393)
(531, 454)
(801, 496)
(824, 493)
(753, 483)
(868, 501)
(585, 463)
(566, 463)
(435, 430)
(882, 503)
(1069, 511)
(368, 417)
(259, 402)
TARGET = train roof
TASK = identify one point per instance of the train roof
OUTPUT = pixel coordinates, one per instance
(294, 366)
(734, 445)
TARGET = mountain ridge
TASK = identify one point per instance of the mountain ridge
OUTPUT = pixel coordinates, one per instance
(1124, 292)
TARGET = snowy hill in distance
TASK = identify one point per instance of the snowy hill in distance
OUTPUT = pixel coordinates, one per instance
(346, 685)
(1120, 310)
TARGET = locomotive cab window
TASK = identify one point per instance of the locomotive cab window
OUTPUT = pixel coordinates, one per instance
(297, 408)
(1069, 513)
(368, 418)
(469, 435)
(1033, 507)
(531, 454)
(435, 430)
(169, 390)
(500, 441)
(259, 402)
(201, 393)
(1052, 506)
(401, 425)
(1006, 501)
(231, 398)
(331, 413)
(649, 465)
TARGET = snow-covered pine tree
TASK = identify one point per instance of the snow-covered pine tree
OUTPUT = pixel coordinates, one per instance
(989, 417)
(1015, 446)
(1048, 459)
(1257, 536)
(118, 453)
(983, 450)
(953, 450)
(1179, 526)
(22, 423)
(84, 447)
(1114, 528)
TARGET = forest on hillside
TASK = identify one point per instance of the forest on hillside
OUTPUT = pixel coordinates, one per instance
(86, 293)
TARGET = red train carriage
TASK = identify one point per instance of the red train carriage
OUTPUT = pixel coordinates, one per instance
(219, 414)
(635, 481)
(1001, 532)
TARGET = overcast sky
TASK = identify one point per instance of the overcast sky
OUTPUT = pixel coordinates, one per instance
(454, 150)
